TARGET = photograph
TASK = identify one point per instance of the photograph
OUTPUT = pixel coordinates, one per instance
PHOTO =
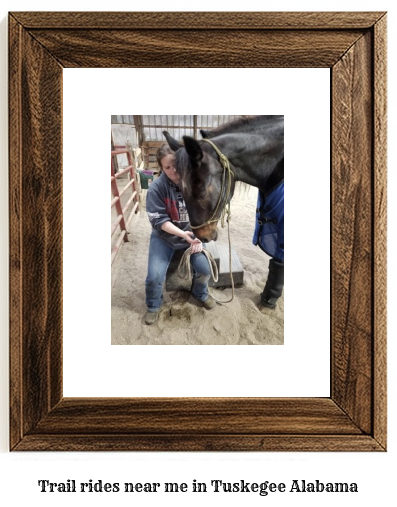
(348, 50)
(197, 229)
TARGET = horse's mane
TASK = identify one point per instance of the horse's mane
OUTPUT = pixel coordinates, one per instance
(189, 178)
(243, 123)
(182, 165)
(181, 161)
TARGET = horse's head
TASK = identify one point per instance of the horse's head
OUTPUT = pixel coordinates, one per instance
(204, 184)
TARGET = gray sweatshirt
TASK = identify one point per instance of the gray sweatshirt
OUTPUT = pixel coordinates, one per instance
(164, 202)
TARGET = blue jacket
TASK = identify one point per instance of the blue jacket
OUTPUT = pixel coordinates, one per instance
(269, 228)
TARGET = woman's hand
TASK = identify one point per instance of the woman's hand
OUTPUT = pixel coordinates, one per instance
(189, 236)
(196, 247)
(186, 235)
(195, 244)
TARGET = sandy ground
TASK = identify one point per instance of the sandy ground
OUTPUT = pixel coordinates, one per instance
(182, 320)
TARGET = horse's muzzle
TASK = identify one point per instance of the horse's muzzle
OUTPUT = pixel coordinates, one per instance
(207, 233)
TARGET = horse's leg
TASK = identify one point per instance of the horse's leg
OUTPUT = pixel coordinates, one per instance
(274, 284)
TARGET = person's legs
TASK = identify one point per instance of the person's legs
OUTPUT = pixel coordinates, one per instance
(201, 275)
(274, 284)
(160, 255)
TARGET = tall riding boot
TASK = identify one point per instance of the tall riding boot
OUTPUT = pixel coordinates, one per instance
(274, 284)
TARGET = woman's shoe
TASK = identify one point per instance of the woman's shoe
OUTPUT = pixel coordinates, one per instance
(151, 317)
(209, 303)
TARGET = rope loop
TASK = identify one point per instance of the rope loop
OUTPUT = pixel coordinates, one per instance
(185, 268)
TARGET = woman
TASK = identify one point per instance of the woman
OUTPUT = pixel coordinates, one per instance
(171, 231)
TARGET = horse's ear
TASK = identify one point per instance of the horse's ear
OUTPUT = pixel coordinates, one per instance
(172, 143)
(206, 134)
(193, 149)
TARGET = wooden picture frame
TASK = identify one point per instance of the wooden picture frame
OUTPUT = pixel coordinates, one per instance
(353, 46)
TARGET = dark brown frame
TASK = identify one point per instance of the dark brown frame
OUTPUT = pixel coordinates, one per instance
(353, 46)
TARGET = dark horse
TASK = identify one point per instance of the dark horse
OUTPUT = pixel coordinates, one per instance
(250, 150)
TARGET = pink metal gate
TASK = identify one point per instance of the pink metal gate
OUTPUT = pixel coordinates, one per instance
(121, 220)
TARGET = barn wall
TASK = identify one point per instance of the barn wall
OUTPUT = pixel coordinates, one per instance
(151, 129)
(123, 132)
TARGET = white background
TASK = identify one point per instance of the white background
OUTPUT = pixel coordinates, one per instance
(374, 472)
(206, 371)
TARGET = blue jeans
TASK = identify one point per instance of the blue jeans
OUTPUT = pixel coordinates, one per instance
(160, 255)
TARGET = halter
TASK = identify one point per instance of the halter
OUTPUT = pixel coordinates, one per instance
(224, 161)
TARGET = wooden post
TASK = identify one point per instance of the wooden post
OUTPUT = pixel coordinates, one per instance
(115, 192)
(115, 161)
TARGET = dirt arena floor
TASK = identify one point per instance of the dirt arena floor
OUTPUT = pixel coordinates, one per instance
(182, 320)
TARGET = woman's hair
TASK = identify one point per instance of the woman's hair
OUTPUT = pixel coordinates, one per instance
(161, 153)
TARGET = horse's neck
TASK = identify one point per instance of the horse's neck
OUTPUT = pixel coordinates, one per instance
(246, 175)
(253, 160)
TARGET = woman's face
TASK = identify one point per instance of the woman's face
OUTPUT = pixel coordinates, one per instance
(167, 164)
